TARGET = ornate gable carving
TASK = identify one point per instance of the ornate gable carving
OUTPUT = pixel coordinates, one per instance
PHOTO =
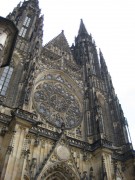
(60, 160)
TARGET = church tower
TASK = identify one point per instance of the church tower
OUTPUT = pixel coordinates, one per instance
(103, 113)
(60, 118)
(29, 22)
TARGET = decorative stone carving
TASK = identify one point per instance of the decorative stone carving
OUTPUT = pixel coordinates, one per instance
(33, 163)
(25, 153)
(9, 149)
(3, 130)
(85, 156)
(91, 173)
(37, 140)
(85, 176)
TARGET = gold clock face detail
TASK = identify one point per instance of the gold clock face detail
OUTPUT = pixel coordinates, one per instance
(57, 104)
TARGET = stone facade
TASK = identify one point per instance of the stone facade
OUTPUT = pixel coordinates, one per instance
(59, 115)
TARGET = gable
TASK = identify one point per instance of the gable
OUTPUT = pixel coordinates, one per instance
(60, 43)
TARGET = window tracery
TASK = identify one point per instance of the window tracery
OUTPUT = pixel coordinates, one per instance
(25, 26)
(57, 104)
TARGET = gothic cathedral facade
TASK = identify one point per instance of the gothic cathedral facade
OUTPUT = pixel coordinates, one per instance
(60, 118)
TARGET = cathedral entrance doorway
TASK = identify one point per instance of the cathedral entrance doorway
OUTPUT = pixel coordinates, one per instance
(59, 172)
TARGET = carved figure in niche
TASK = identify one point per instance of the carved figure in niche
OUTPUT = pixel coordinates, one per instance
(63, 126)
(78, 131)
(99, 124)
(27, 95)
(91, 174)
(98, 115)
(85, 176)
(37, 48)
(89, 72)
(86, 95)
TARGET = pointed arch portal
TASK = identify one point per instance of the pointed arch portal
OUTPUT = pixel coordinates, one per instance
(57, 176)
(59, 172)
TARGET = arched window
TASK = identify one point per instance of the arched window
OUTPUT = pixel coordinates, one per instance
(25, 26)
(27, 21)
(5, 79)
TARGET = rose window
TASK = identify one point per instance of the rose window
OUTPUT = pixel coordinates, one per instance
(56, 103)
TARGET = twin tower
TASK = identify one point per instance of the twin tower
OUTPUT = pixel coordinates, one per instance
(60, 118)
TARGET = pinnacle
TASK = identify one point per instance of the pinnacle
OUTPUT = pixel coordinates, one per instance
(35, 2)
(102, 61)
(101, 54)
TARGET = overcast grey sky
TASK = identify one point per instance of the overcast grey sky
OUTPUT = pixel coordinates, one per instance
(112, 25)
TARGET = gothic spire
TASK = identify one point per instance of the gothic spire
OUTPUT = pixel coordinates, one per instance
(82, 29)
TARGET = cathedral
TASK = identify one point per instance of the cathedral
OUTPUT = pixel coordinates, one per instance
(60, 118)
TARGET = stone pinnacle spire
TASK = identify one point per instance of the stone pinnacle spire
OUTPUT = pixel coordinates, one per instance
(82, 29)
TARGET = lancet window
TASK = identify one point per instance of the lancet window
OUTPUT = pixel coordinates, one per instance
(25, 26)
(5, 79)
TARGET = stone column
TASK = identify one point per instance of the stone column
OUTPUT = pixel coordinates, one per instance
(14, 159)
(13, 163)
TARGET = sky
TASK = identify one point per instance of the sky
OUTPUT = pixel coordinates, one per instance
(112, 25)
